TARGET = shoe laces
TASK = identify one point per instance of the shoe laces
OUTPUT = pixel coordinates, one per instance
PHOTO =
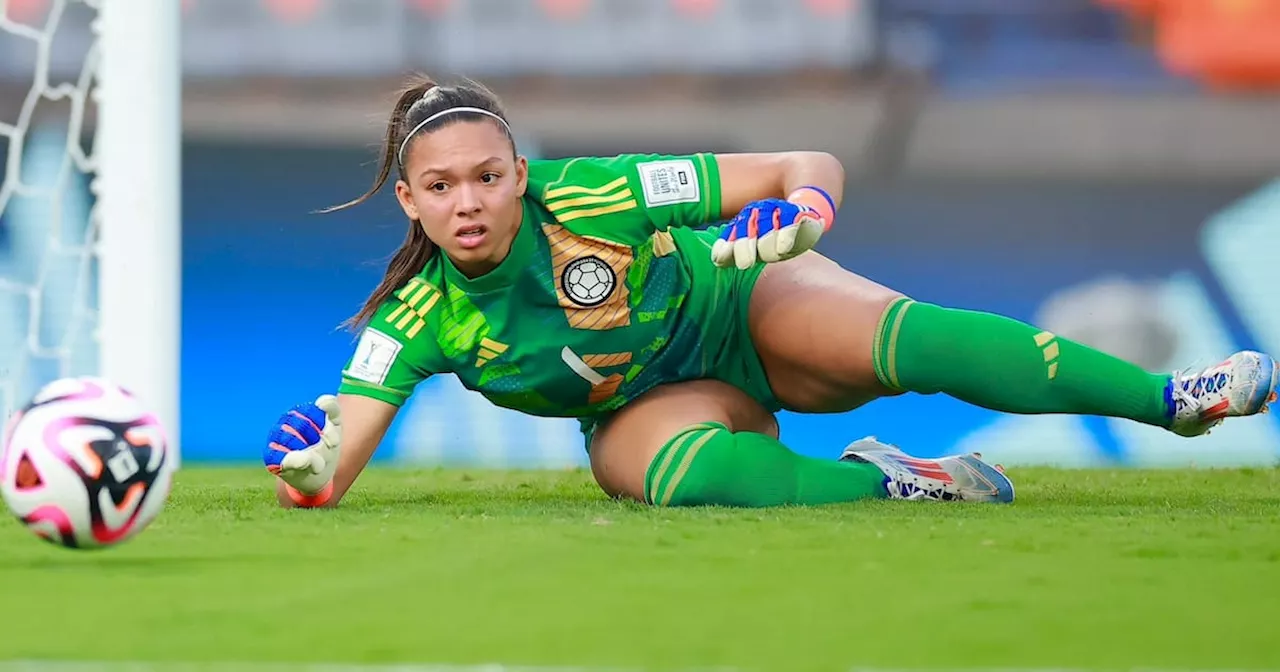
(1182, 386)
(1183, 396)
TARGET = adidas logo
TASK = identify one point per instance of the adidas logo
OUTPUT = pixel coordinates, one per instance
(489, 350)
(1048, 344)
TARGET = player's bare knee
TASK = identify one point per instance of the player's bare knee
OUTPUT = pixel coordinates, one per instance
(624, 446)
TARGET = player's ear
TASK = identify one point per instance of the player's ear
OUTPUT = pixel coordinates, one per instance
(406, 200)
(522, 175)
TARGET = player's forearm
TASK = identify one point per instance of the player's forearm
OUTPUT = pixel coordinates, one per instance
(813, 169)
(745, 178)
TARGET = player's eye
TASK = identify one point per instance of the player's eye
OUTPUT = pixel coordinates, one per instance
(438, 187)
(489, 178)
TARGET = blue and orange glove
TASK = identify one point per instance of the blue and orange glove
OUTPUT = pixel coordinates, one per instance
(302, 450)
(774, 229)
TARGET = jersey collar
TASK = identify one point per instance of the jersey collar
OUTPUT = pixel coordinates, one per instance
(505, 273)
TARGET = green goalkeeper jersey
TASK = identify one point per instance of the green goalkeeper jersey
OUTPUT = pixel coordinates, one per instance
(593, 306)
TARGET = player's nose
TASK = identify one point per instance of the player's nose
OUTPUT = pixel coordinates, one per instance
(468, 200)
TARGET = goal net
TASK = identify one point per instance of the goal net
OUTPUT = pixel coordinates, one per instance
(89, 217)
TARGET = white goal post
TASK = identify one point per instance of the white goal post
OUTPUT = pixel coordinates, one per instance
(131, 78)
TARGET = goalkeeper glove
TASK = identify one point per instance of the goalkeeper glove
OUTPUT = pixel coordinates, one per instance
(774, 229)
(303, 448)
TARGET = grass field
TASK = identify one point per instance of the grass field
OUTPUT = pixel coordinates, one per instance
(1088, 570)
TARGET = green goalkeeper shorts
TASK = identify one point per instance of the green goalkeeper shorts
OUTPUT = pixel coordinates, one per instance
(720, 298)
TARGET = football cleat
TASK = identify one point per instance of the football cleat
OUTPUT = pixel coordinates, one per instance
(955, 478)
(1242, 385)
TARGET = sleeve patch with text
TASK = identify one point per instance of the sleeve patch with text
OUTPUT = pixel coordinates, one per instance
(669, 182)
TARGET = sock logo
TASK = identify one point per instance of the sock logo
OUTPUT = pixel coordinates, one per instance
(1048, 344)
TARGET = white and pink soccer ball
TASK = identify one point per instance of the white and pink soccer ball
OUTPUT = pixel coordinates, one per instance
(85, 465)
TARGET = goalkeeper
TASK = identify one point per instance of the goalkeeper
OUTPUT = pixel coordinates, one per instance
(592, 288)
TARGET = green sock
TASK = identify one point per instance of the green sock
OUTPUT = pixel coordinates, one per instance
(1005, 365)
(707, 464)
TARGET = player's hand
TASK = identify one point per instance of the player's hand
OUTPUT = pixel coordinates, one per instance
(768, 230)
(303, 447)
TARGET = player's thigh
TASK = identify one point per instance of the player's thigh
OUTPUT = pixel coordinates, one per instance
(624, 445)
(814, 324)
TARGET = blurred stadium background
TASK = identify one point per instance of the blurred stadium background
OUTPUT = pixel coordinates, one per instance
(1108, 169)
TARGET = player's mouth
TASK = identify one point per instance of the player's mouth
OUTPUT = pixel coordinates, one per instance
(471, 236)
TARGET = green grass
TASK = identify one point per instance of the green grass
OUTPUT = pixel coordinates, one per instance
(1089, 569)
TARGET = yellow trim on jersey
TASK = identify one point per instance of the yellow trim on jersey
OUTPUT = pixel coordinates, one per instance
(615, 196)
(431, 303)
(419, 298)
(560, 206)
(493, 345)
(395, 314)
(489, 350)
(579, 189)
(596, 212)
(564, 170)
(404, 321)
(418, 295)
(409, 288)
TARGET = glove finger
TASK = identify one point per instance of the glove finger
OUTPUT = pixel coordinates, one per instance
(767, 248)
(722, 253)
(302, 460)
(332, 436)
(807, 235)
(744, 253)
(786, 241)
(329, 404)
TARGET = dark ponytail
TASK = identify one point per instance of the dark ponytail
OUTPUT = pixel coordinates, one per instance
(418, 100)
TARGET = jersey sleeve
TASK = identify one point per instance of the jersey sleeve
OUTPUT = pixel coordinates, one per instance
(629, 196)
(395, 352)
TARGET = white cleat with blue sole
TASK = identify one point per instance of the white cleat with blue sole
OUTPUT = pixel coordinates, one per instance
(1242, 385)
(955, 478)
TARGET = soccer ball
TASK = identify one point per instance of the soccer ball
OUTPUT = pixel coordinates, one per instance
(84, 465)
(588, 281)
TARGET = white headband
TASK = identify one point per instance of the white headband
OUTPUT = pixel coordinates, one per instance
(441, 113)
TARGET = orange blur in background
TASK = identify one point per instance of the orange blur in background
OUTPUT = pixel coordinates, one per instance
(1226, 44)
